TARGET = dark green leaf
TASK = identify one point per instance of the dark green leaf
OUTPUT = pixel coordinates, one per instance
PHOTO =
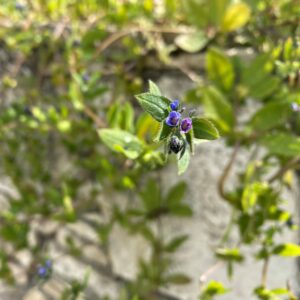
(175, 243)
(178, 278)
(156, 106)
(163, 133)
(190, 140)
(204, 129)
(176, 193)
(181, 210)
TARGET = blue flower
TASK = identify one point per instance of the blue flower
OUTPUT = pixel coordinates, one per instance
(174, 105)
(186, 125)
(42, 271)
(173, 118)
(48, 264)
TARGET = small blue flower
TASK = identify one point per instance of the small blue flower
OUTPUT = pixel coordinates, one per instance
(174, 105)
(42, 271)
(48, 264)
(186, 125)
(173, 118)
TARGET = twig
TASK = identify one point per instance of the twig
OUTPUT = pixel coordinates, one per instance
(290, 165)
(265, 272)
(210, 270)
(98, 121)
(226, 171)
(118, 35)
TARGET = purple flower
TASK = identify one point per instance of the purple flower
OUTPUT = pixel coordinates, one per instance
(42, 271)
(295, 107)
(186, 125)
(174, 105)
(48, 264)
(173, 118)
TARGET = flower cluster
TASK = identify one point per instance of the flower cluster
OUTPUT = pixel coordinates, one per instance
(174, 118)
(44, 271)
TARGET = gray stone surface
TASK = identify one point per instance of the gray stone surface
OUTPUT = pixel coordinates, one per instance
(205, 228)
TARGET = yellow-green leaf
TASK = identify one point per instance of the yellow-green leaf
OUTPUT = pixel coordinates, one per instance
(236, 16)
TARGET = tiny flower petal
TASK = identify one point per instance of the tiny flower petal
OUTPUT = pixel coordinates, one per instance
(174, 105)
(173, 118)
(186, 125)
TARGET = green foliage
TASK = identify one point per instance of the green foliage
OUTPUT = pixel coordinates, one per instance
(157, 106)
(212, 289)
(192, 42)
(70, 70)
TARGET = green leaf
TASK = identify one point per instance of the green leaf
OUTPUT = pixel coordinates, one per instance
(176, 193)
(216, 11)
(181, 210)
(282, 144)
(232, 254)
(236, 16)
(190, 140)
(204, 129)
(176, 242)
(251, 193)
(217, 107)
(263, 84)
(183, 162)
(196, 12)
(219, 69)
(163, 133)
(127, 122)
(212, 289)
(270, 115)
(178, 278)
(154, 89)
(151, 196)
(156, 106)
(192, 42)
(287, 250)
(122, 141)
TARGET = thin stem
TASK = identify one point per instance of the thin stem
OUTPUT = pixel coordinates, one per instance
(265, 272)
(210, 270)
(223, 178)
(290, 165)
(228, 228)
(118, 35)
(97, 120)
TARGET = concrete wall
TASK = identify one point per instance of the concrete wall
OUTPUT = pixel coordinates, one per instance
(205, 228)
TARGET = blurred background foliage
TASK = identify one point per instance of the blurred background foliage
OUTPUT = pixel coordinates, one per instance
(71, 68)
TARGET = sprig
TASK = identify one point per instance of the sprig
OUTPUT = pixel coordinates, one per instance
(177, 131)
